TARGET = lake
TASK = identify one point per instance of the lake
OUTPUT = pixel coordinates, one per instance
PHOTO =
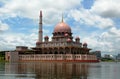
(60, 70)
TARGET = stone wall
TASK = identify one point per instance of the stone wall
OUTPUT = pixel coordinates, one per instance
(38, 57)
(12, 56)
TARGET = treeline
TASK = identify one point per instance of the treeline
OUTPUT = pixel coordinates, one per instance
(107, 59)
(2, 53)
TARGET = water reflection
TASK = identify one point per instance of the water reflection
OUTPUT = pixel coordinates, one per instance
(43, 70)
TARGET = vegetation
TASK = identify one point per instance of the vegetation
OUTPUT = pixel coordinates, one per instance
(107, 59)
(2, 56)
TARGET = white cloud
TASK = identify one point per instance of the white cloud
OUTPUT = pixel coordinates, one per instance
(31, 8)
(87, 17)
(114, 31)
(107, 8)
(84, 16)
(107, 42)
(10, 41)
(3, 26)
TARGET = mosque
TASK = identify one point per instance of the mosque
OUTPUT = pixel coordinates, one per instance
(61, 47)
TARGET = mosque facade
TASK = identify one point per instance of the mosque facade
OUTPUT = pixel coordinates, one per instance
(61, 47)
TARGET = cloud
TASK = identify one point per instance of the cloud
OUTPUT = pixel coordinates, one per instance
(84, 16)
(107, 8)
(3, 27)
(30, 8)
(107, 42)
(114, 31)
(10, 41)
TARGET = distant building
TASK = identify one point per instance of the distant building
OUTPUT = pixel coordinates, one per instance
(109, 56)
(60, 48)
(97, 53)
(21, 48)
(106, 56)
(118, 57)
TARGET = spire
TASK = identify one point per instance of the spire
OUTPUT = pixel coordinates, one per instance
(40, 21)
(62, 17)
(40, 13)
(40, 35)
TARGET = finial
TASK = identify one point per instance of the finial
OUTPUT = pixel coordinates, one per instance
(40, 13)
(62, 17)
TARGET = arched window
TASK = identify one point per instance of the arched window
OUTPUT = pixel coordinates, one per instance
(50, 52)
(61, 52)
(56, 52)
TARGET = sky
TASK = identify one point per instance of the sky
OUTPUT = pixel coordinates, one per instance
(96, 22)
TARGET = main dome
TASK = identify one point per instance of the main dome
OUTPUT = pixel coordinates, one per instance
(62, 27)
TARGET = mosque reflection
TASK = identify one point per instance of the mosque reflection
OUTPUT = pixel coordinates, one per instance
(47, 70)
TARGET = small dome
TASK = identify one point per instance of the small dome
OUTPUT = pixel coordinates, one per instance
(68, 40)
(62, 27)
(46, 37)
(77, 38)
(38, 43)
(85, 44)
(66, 34)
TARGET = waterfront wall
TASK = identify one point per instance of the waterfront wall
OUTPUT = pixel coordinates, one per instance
(12, 56)
(15, 57)
(57, 57)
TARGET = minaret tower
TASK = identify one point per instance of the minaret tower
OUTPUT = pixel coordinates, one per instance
(40, 36)
(62, 17)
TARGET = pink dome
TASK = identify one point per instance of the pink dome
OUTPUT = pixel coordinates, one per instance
(62, 27)
(66, 34)
(46, 37)
(77, 38)
(68, 40)
(84, 44)
(38, 43)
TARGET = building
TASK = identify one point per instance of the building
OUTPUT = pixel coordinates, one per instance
(108, 56)
(118, 57)
(97, 53)
(60, 48)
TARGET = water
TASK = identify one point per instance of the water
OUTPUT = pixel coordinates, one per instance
(49, 70)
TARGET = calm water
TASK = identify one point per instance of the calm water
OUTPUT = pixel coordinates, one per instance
(47, 70)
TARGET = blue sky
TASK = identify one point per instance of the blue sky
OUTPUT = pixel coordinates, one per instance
(96, 22)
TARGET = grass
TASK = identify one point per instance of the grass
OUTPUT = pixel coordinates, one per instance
(2, 59)
(107, 60)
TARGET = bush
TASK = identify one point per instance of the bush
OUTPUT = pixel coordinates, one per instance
(107, 59)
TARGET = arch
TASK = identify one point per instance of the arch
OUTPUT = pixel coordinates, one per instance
(67, 50)
(63, 33)
(8, 58)
(74, 53)
(45, 53)
(78, 51)
(54, 34)
(55, 52)
(59, 33)
(61, 50)
(50, 52)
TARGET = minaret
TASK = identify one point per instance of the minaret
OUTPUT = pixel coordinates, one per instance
(40, 36)
(62, 17)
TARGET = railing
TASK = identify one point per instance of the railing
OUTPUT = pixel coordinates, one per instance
(60, 44)
(57, 57)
